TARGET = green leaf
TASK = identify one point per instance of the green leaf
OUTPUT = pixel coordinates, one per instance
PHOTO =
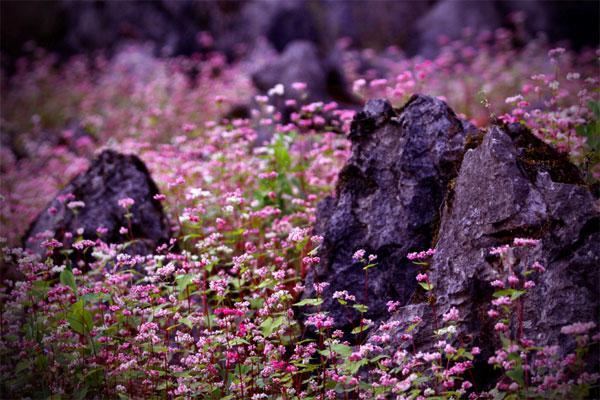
(186, 322)
(183, 281)
(342, 349)
(516, 375)
(282, 156)
(314, 251)
(426, 286)
(81, 393)
(513, 293)
(79, 318)
(68, 279)
(360, 329)
(354, 366)
(367, 267)
(270, 325)
(309, 302)
(238, 341)
(361, 308)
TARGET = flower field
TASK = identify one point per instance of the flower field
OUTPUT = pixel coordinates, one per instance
(214, 313)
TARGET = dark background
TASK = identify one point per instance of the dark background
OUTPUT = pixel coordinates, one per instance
(72, 27)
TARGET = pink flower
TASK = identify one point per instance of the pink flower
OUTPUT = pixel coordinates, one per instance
(529, 284)
(297, 234)
(522, 242)
(451, 315)
(51, 244)
(449, 384)
(500, 327)
(377, 83)
(578, 328)
(320, 287)
(358, 255)
(448, 349)
(420, 255)
(502, 301)
(358, 85)
(299, 86)
(501, 250)
(228, 311)
(188, 127)
(556, 52)
(392, 305)
(422, 277)
(320, 320)
(126, 202)
(538, 267)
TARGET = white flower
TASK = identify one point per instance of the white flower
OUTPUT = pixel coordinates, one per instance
(75, 204)
(277, 90)
(58, 268)
(194, 193)
(513, 99)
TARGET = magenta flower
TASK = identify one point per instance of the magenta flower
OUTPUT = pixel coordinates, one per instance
(126, 202)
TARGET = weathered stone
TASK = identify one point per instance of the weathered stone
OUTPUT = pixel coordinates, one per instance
(513, 185)
(111, 177)
(388, 202)
(301, 62)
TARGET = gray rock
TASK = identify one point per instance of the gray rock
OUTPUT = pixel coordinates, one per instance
(388, 201)
(513, 185)
(449, 17)
(111, 177)
(301, 62)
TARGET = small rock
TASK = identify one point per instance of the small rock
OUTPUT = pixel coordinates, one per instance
(111, 177)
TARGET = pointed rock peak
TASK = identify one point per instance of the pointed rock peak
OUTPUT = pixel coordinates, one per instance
(374, 114)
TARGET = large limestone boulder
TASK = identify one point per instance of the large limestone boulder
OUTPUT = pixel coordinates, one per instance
(512, 186)
(388, 202)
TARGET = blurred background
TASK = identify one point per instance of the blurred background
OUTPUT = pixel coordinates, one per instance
(181, 27)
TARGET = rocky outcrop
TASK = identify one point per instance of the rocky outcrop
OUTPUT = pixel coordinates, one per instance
(388, 201)
(514, 186)
(110, 178)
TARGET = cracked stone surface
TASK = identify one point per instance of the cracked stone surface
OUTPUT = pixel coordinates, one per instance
(388, 202)
(513, 185)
